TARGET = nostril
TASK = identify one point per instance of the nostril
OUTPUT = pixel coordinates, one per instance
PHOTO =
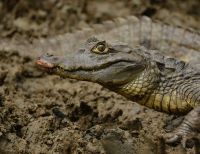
(48, 55)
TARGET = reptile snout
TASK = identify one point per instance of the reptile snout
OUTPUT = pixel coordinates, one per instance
(46, 61)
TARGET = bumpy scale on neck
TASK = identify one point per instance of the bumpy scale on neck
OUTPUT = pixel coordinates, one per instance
(157, 91)
(141, 88)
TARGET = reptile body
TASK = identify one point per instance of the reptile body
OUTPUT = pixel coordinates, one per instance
(141, 75)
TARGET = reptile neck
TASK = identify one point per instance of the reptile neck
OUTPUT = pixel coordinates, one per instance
(170, 93)
(141, 87)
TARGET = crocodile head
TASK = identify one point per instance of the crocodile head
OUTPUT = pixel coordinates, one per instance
(97, 61)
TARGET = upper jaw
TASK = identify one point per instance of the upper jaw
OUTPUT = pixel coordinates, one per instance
(48, 61)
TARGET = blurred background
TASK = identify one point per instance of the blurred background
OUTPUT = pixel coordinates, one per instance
(50, 17)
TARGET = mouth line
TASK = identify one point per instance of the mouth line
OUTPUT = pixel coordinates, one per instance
(45, 65)
(95, 68)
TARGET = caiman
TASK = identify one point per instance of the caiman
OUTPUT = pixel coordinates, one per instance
(142, 75)
(136, 71)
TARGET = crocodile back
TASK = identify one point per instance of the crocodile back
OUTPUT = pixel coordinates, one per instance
(171, 40)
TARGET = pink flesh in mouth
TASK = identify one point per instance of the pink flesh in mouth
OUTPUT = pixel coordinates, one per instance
(44, 63)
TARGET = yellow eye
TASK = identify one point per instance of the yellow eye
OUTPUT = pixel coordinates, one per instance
(100, 48)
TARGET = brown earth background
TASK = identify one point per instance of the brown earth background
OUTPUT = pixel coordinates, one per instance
(44, 114)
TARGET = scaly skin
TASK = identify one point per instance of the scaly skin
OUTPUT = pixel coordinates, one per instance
(141, 75)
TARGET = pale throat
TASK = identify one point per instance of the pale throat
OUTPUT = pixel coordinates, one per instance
(142, 86)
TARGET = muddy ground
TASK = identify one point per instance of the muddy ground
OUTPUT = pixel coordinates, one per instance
(41, 113)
